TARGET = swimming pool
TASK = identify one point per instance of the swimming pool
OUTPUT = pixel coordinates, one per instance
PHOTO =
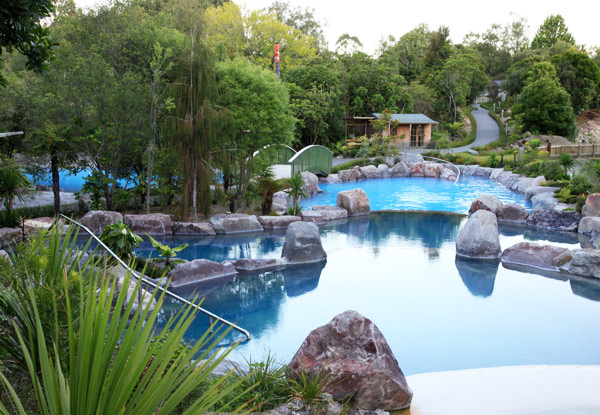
(399, 269)
(419, 193)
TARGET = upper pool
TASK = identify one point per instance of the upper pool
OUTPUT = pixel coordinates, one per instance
(419, 193)
(400, 270)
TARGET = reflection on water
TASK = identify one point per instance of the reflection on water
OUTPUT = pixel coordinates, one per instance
(401, 271)
(538, 235)
(478, 276)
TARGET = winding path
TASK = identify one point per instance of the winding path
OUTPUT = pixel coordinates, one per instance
(487, 130)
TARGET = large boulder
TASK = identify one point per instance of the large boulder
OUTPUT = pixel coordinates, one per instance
(312, 216)
(495, 173)
(432, 169)
(416, 170)
(331, 212)
(257, 265)
(486, 202)
(277, 222)
(360, 363)
(193, 228)
(9, 236)
(97, 220)
(586, 262)
(199, 270)
(483, 172)
(370, 172)
(153, 224)
(303, 244)
(448, 174)
(592, 205)
(589, 225)
(535, 255)
(355, 201)
(511, 213)
(401, 169)
(280, 202)
(479, 237)
(235, 223)
(350, 175)
(384, 170)
(522, 185)
(552, 219)
(311, 183)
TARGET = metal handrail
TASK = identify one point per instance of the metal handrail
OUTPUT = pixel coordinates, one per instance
(156, 286)
(441, 160)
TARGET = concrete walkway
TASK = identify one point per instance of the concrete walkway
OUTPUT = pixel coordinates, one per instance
(487, 130)
(515, 390)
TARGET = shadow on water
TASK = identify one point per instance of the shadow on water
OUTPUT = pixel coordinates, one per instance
(586, 288)
(251, 300)
(538, 235)
(477, 275)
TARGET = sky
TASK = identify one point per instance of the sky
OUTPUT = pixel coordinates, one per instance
(372, 21)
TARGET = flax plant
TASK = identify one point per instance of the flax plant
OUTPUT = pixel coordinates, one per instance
(120, 365)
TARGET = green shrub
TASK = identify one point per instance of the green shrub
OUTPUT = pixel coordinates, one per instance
(350, 164)
(119, 238)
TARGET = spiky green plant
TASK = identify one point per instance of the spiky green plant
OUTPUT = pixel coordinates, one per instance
(309, 386)
(296, 192)
(121, 365)
(566, 162)
(165, 252)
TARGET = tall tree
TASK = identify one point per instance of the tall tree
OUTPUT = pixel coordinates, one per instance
(551, 31)
(580, 77)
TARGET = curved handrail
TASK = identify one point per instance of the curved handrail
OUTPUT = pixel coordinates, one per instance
(272, 145)
(443, 161)
(299, 153)
(156, 286)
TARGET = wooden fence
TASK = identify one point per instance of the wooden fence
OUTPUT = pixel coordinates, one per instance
(576, 150)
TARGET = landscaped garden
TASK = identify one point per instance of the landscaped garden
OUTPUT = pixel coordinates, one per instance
(210, 283)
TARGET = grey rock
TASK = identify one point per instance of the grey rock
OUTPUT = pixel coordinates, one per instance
(277, 222)
(511, 213)
(235, 223)
(523, 184)
(479, 238)
(543, 201)
(448, 173)
(256, 265)
(352, 350)
(416, 170)
(355, 201)
(400, 170)
(536, 190)
(350, 175)
(483, 172)
(331, 178)
(592, 205)
(586, 262)
(303, 244)
(495, 173)
(470, 170)
(153, 224)
(486, 202)
(199, 270)
(4, 256)
(331, 212)
(535, 255)
(413, 158)
(312, 216)
(385, 170)
(370, 172)
(589, 225)
(97, 220)
(551, 219)
(311, 183)
(432, 169)
(193, 228)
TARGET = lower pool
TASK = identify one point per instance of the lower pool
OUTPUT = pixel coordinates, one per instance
(399, 269)
(419, 193)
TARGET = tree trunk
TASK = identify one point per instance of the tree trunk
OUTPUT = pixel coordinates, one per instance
(55, 183)
(194, 189)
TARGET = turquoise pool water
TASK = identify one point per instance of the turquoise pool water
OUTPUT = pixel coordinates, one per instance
(399, 269)
(419, 193)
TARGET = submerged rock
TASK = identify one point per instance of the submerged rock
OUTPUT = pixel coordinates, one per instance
(235, 223)
(479, 237)
(97, 220)
(552, 219)
(199, 270)
(355, 201)
(303, 244)
(535, 255)
(153, 224)
(354, 353)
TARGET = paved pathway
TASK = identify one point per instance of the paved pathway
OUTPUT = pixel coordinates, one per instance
(516, 390)
(487, 130)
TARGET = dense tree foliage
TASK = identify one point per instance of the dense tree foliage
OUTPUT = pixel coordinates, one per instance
(168, 98)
